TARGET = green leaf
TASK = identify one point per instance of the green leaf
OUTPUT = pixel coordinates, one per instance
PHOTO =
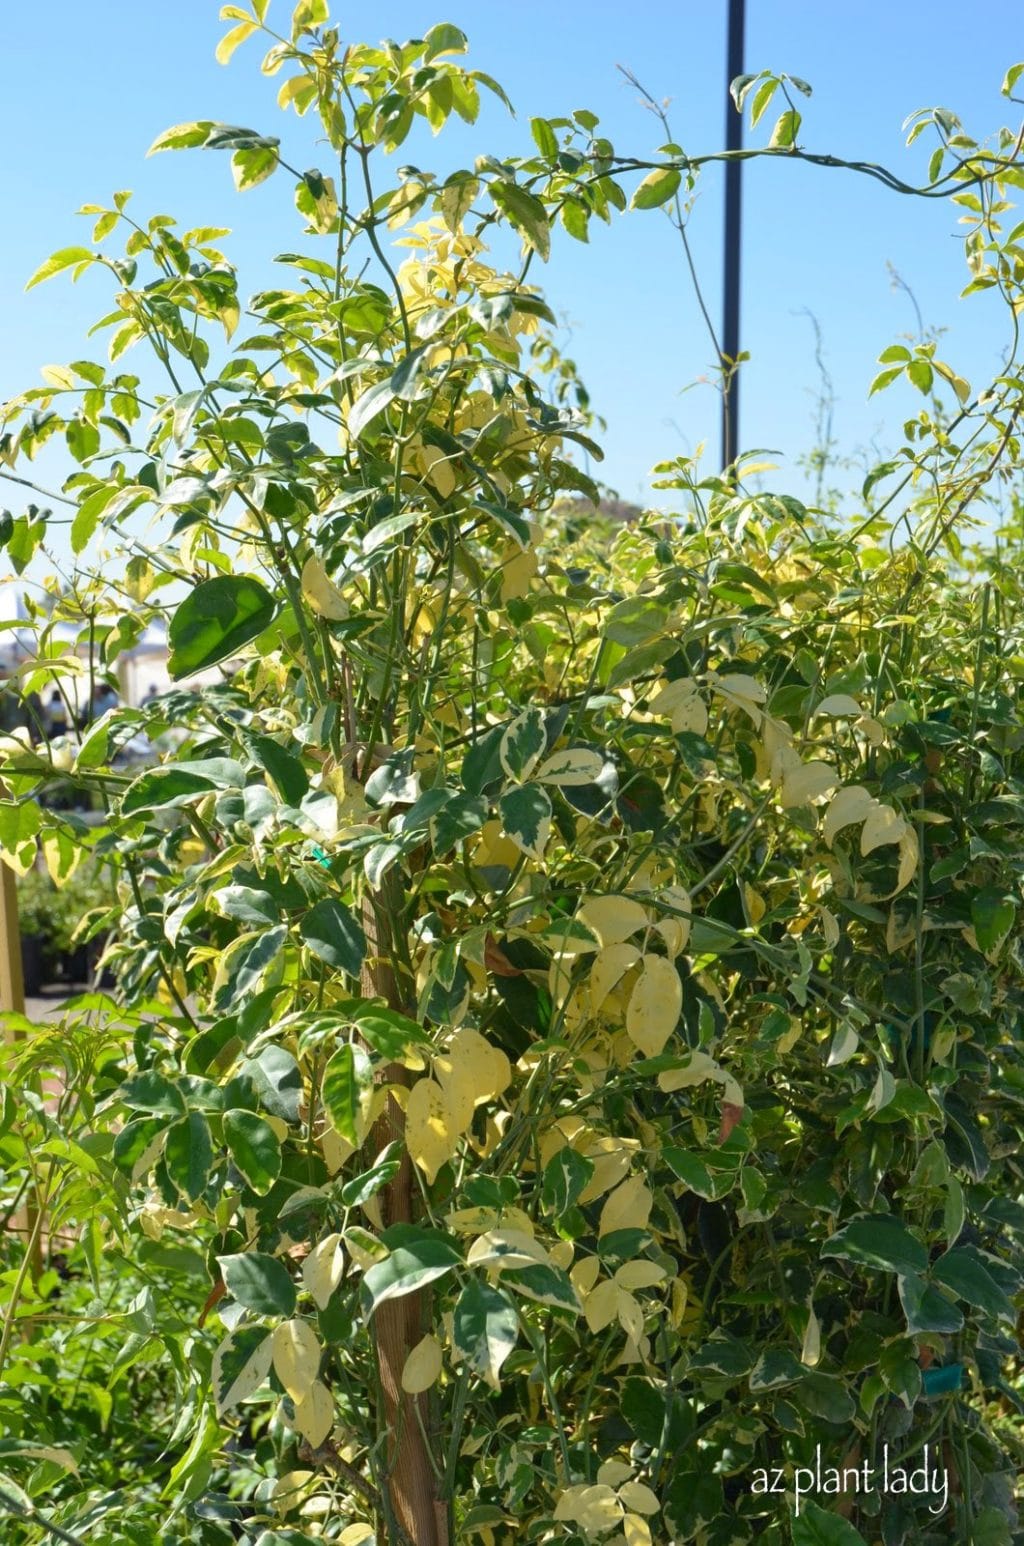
(458, 819)
(261, 1283)
(926, 1309)
(406, 373)
(245, 965)
(347, 1075)
(361, 1188)
(425, 1257)
(526, 818)
(878, 1240)
(544, 138)
(444, 38)
(152, 1092)
(485, 1329)
(366, 408)
(657, 188)
(1011, 78)
(163, 789)
(762, 97)
(216, 620)
(286, 770)
(816, 1527)
(390, 1033)
(254, 1148)
(335, 935)
(57, 262)
(525, 213)
(966, 1272)
(786, 129)
(188, 1155)
(636, 621)
(992, 914)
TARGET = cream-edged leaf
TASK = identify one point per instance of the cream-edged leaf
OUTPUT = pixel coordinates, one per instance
(506, 1248)
(573, 767)
(240, 1365)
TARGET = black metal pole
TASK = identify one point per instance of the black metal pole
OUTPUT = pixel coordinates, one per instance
(731, 264)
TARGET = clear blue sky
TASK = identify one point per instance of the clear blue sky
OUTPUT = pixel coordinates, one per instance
(85, 88)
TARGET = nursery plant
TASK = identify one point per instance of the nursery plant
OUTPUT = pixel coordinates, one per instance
(564, 1070)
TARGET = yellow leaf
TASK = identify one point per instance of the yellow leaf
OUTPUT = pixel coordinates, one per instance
(639, 1274)
(314, 1417)
(296, 1357)
(357, 1535)
(231, 40)
(635, 1531)
(471, 1072)
(422, 1366)
(682, 702)
(613, 918)
(741, 692)
(655, 1005)
(839, 705)
(628, 1207)
(321, 593)
(638, 1498)
(754, 904)
(561, 1254)
(674, 929)
(516, 574)
(594, 1509)
(849, 806)
(432, 463)
(431, 1133)
(322, 1269)
(699, 1068)
(58, 376)
(810, 1352)
(882, 825)
(610, 965)
(807, 782)
(630, 1315)
(601, 1306)
(585, 1274)
(614, 1473)
(909, 855)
